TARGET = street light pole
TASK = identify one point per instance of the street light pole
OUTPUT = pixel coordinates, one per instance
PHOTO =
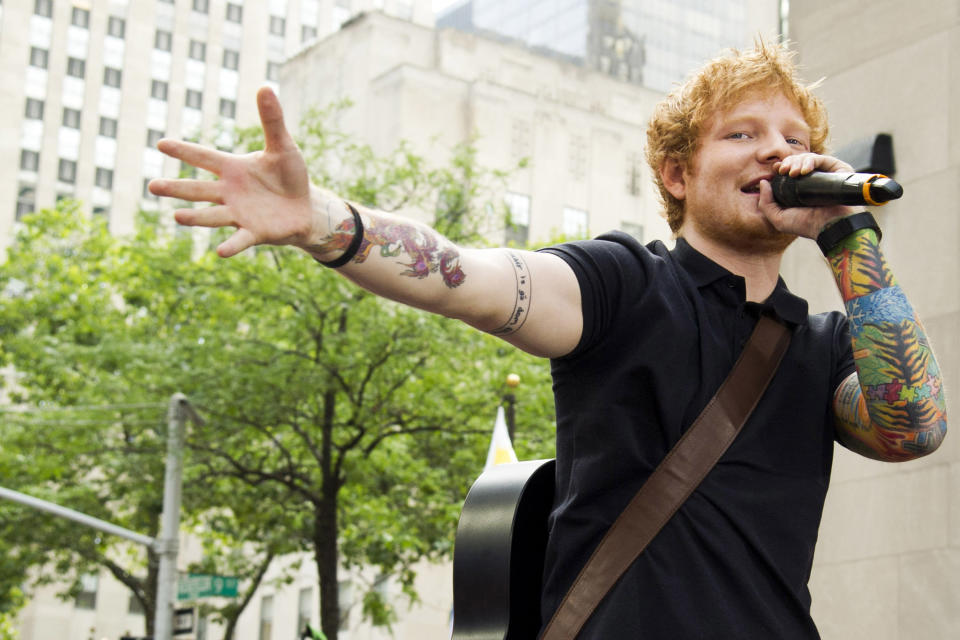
(168, 541)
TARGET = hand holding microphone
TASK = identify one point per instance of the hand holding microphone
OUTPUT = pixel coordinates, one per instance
(819, 189)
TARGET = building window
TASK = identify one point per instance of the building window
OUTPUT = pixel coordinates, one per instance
(158, 89)
(277, 25)
(34, 109)
(574, 222)
(134, 606)
(80, 17)
(273, 72)
(76, 67)
(201, 6)
(194, 99)
(71, 118)
(304, 609)
(266, 618)
(43, 8)
(234, 12)
(153, 137)
(100, 211)
(228, 108)
(634, 229)
(116, 26)
(345, 602)
(104, 178)
(29, 160)
(25, 200)
(87, 598)
(108, 127)
(163, 40)
(198, 50)
(38, 57)
(308, 33)
(67, 172)
(518, 223)
(231, 59)
(112, 77)
(146, 190)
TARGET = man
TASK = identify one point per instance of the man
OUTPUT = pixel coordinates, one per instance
(641, 337)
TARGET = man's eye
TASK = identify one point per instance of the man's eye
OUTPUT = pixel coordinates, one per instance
(739, 135)
(796, 141)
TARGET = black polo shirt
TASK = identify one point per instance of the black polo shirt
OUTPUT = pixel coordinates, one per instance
(661, 331)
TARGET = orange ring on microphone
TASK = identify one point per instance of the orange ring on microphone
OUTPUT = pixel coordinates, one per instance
(866, 191)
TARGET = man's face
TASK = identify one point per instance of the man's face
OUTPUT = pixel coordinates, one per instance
(737, 150)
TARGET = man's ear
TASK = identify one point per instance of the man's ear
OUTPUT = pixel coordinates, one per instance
(672, 174)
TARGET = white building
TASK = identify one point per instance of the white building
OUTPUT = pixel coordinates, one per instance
(91, 85)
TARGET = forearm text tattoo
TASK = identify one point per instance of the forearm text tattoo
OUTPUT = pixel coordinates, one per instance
(898, 409)
(521, 306)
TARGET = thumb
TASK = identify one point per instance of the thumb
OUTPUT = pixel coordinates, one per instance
(240, 240)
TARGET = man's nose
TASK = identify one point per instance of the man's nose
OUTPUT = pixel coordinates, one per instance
(773, 148)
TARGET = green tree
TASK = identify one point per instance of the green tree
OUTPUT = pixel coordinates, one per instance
(336, 423)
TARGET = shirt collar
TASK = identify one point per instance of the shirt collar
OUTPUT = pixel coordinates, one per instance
(705, 271)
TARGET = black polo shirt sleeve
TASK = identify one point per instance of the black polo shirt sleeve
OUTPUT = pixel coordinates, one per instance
(607, 268)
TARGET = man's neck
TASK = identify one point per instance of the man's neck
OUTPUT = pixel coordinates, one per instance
(759, 270)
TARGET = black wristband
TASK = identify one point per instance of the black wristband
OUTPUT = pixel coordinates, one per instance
(354, 245)
(833, 235)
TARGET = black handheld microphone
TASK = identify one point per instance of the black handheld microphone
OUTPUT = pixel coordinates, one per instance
(819, 189)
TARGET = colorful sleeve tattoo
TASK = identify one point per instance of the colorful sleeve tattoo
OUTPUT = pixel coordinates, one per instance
(419, 252)
(896, 409)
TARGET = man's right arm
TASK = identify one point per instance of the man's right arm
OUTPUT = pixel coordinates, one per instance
(531, 300)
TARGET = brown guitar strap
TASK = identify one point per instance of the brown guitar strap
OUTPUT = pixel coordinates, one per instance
(675, 478)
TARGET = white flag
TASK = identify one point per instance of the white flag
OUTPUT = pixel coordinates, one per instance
(501, 449)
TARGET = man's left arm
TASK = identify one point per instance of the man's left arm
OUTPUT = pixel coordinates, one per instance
(893, 407)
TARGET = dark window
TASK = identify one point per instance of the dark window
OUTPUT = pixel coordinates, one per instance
(34, 109)
(29, 160)
(308, 33)
(43, 8)
(80, 17)
(71, 118)
(273, 71)
(158, 89)
(153, 137)
(277, 25)
(104, 178)
(67, 171)
(163, 40)
(100, 211)
(228, 108)
(38, 57)
(198, 50)
(194, 99)
(231, 59)
(234, 12)
(112, 77)
(76, 67)
(25, 200)
(202, 6)
(116, 26)
(146, 196)
(108, 127)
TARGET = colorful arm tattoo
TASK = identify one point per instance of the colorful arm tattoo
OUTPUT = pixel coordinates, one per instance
(894, 408)
(521, 305)
(423, 250)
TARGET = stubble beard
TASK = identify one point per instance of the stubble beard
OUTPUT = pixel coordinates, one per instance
(752, 235)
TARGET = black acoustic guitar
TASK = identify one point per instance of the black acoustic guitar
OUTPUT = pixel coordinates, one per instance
(499, 550)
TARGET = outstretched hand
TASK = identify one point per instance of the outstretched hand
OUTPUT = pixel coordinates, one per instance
(265, 195)
(806, 222)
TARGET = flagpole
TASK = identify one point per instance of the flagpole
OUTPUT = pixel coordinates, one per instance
(512, 382)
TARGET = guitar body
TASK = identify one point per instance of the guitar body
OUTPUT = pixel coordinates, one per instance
(499, 551)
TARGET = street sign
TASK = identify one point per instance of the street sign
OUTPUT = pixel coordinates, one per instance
(182, 621)
(199, 585)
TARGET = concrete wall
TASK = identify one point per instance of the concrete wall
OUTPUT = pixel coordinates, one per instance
(888, 562)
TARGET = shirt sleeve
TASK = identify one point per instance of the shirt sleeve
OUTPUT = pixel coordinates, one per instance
(607, 268)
